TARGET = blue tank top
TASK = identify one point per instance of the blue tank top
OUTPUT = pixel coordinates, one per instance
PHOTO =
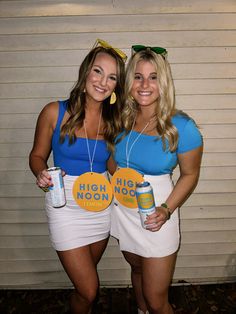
(74, 158)
(147, 155)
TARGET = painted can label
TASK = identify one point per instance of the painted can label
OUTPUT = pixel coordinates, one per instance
(145, 200)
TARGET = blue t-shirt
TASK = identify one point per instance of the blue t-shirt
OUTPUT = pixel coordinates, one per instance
(147, 155)
(74, 158)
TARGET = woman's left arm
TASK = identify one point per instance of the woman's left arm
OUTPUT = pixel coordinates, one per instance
(189, 164)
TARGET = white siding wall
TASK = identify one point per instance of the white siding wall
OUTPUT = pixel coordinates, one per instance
(41, 46)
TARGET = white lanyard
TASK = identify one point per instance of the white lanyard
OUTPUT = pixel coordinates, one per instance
(91, 159)
(128, 151)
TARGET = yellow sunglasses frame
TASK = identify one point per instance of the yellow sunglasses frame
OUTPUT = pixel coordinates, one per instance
(105, 44)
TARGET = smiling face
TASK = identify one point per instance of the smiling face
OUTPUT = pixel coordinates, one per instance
(145, 87)
(102, 78)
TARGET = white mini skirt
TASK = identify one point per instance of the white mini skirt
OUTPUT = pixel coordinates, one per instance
(126, 225)
(71, 226)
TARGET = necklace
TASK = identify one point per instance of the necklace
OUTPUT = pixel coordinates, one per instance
(91, 159)
(91, 190)
(127, 149)
(125, 193)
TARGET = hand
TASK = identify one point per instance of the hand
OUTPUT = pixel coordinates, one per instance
(44, 180)
(155, 221)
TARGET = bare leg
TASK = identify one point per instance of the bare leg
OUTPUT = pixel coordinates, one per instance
(136, 278)
(80, 265)
(156, 278)
(151, 278)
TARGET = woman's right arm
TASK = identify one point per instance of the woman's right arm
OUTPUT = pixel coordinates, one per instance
(42, 144)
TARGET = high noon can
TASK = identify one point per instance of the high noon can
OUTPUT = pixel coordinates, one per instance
(145, 200)
(57, 191)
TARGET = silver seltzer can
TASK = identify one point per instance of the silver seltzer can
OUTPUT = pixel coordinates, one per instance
(145, 200)
(57, 191)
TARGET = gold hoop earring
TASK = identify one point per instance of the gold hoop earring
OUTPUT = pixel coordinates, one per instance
(113, 98)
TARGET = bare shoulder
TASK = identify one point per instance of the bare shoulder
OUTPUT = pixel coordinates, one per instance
(49, 113)
(51, 108)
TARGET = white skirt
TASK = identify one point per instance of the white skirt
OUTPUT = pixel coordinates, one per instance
(126, 225)
(71, 226)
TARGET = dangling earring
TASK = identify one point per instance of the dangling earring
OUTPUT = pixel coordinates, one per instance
(113, 98)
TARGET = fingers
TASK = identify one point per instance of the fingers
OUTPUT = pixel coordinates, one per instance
(155, 221)
(44, 179)
(155, 226)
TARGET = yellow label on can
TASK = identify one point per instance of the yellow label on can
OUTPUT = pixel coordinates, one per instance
(145, 200)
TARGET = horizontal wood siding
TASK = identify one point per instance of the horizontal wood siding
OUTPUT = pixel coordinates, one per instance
(42, 45)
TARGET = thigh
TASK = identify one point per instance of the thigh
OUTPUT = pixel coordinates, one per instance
(157, 274)
(80, 265)
(97, 249)
(133, 259)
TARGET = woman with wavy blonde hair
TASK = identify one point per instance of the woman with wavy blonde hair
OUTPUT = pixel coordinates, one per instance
(156, 139)
(165, 105)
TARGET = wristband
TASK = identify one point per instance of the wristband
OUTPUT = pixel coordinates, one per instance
(164, 205)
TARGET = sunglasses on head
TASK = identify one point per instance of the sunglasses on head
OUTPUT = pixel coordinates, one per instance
(157, 50)
(104, 44)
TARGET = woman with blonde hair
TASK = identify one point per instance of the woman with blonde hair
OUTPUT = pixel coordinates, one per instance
(157, 138)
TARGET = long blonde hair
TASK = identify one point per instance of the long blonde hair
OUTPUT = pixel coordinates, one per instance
(111, 114)
(165, 108)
